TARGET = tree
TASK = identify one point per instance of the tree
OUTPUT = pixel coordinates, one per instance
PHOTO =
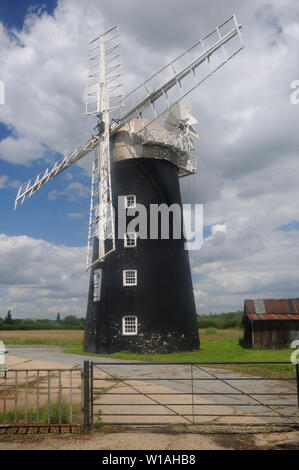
(28, 324)
(71, 320)
(8, 318)
(58, 317)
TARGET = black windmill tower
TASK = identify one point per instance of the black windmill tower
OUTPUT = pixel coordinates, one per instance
(140, 294)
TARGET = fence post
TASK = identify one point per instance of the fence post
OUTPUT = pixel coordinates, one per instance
(297, 379)
(91, 394)
(192, 391)
(86, 398)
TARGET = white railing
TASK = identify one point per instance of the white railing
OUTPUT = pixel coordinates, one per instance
(180, 144)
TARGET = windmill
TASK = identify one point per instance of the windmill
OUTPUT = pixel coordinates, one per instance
(140, 294)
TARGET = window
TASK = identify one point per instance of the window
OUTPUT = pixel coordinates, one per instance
(130, 240)
(130, 201)
(130, 325)
(130, 277)
(97, 283)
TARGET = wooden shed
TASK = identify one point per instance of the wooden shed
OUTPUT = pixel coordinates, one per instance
(270, 323)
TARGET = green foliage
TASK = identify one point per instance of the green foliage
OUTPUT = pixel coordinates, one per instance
(98, 423)
(221, 321)
(28, 324)
(70, 322)
(210, 331)
(42, 415)
(8, 318)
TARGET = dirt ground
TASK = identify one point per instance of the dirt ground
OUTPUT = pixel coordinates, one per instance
(130, 440)
(143, 438)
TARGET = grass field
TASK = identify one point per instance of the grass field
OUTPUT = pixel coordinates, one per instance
(216, 346)
(46, 337)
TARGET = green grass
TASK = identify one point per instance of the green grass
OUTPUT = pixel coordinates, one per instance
(216, 346)
(42, 414)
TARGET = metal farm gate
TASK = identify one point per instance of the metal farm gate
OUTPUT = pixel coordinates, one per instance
(149, 394)
(201, 394)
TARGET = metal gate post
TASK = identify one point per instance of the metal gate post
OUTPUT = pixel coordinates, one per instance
(192, 391)
(91, 394)
(86, 398)
(297, 379)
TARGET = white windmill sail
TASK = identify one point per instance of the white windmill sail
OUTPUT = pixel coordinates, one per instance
(105, 62)
(179, 120)
(26, 190)
(155, 97)
(104, 86)
(181, 76)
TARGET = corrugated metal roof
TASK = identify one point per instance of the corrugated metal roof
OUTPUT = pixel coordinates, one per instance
(272, 309)
(259, 306)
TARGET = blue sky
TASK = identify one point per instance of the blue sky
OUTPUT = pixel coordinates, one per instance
(40, 217)
(13, 12)
(247, 153)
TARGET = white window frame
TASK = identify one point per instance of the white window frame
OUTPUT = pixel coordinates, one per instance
(126, 283)
(133, 237)
(97, 284)
(130, 206)
(124, 325)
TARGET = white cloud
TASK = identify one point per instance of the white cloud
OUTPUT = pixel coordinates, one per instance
(43, 67)
(73, 191)
(75, 215)
(37, 277)
(270, 273)
(218, 228)
(23, 149)
(6, 182)
(249, 140)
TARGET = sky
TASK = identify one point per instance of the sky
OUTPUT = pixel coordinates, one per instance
(247, 153)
